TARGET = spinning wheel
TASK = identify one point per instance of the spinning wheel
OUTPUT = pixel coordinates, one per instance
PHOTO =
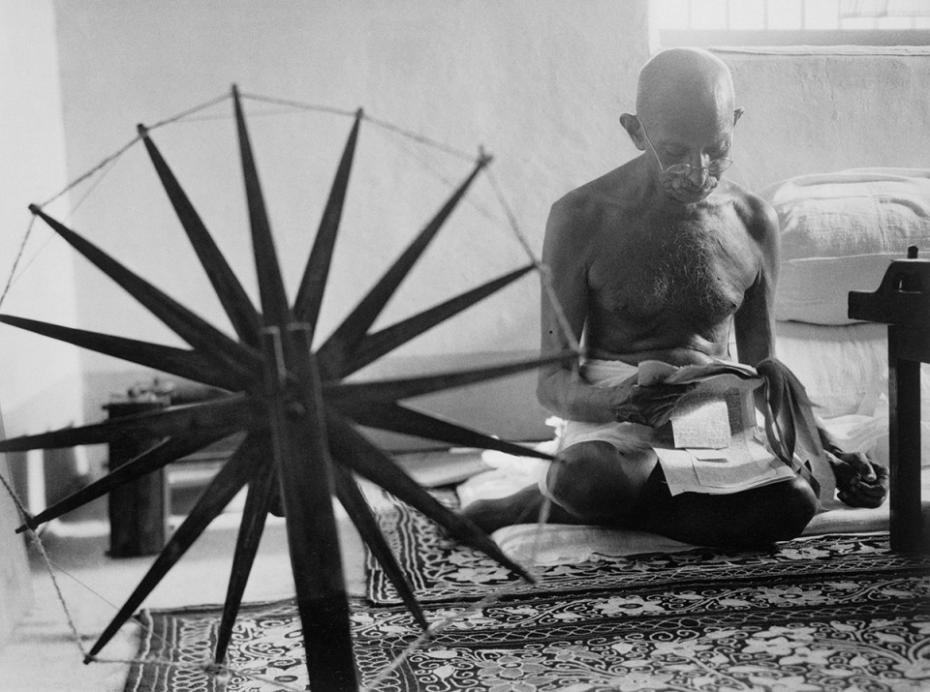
(301, 443)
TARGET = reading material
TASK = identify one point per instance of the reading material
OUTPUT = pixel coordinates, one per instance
(714, 445)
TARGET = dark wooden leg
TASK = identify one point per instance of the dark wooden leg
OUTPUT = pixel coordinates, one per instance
(904, 443)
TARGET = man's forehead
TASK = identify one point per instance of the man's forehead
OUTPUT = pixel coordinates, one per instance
(690, 127)
(686, 80)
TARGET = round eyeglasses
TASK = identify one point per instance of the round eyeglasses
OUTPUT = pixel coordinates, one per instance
(714, 167)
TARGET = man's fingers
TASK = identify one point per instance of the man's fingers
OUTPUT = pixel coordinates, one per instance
(868, 490)
(859, 465)
(857, 499)
(861, 490)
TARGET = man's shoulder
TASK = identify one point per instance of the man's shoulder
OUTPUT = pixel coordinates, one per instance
(606, 192)
(756, 213)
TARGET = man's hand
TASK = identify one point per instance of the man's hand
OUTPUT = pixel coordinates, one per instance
(859, 482)
(649, 405)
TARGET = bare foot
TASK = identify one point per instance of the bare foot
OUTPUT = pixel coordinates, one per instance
(522, 507)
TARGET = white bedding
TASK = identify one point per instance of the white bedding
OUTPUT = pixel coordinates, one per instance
(845, 372)
(839, 231)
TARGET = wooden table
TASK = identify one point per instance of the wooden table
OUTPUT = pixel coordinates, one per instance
(902, 301)
(138, 510)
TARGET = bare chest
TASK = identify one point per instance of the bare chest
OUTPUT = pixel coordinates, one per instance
(691, 270)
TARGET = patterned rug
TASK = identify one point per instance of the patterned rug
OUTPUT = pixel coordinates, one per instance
(820, 613)
(441, 570)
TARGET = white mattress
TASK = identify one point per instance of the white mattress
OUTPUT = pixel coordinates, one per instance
(845, 371)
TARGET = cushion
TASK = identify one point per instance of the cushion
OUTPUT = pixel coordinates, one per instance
(839, 231)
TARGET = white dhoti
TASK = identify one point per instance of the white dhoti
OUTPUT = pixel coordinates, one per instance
(621, 434)
(686, 470)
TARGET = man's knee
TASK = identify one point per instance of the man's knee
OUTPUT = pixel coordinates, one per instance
(572, 480)
(595, 482)
(796, 504)
(782, 511)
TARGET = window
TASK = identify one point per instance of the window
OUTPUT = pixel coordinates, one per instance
(791, 22)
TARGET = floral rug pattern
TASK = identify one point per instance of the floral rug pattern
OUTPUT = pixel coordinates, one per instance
(821, 613)
(837, 633)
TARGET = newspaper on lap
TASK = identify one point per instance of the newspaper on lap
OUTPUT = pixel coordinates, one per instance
(712, 442)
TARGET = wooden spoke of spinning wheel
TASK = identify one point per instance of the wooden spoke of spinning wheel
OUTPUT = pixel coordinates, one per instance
(245, 320)
(257, 503)
(351, 332)
(176, 361)
(162, 453)
(205, 338)
(313, 284)
(228, 481)
(354, 451)
(353, 501)
(345, 395)
(373, 346)
(400, 419)
(233, 411)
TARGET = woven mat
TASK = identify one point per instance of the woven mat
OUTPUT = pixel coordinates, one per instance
(807, 617)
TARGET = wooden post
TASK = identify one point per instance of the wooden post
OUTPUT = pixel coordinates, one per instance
(302, 456)
(904, 440)
(902, 301)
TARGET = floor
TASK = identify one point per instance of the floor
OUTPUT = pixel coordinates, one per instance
(44, 655)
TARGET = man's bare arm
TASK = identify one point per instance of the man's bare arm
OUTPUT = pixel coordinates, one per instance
(754, 321)
(561, 389)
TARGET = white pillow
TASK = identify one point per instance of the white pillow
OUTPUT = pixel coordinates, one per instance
(839, 231)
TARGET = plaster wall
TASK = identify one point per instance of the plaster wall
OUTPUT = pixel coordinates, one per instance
(539, 84)
(40, 384)
(826, 111)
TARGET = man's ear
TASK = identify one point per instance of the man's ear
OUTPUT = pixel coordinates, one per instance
(737, 114)
(634, 129)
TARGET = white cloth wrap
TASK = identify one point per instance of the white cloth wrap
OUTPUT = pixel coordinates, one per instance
(626, 436)
(622, 435)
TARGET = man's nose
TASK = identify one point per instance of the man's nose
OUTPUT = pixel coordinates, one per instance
(699, 172)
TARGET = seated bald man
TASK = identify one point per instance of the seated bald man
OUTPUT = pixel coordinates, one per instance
(658, 260)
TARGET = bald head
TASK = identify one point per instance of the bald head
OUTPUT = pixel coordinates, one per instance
(679, 81)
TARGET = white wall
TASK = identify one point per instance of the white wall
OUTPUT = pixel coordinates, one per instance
(820, 112)
(39, 379)
(540, 84)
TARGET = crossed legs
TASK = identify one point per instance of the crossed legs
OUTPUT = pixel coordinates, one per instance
(594, 483)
